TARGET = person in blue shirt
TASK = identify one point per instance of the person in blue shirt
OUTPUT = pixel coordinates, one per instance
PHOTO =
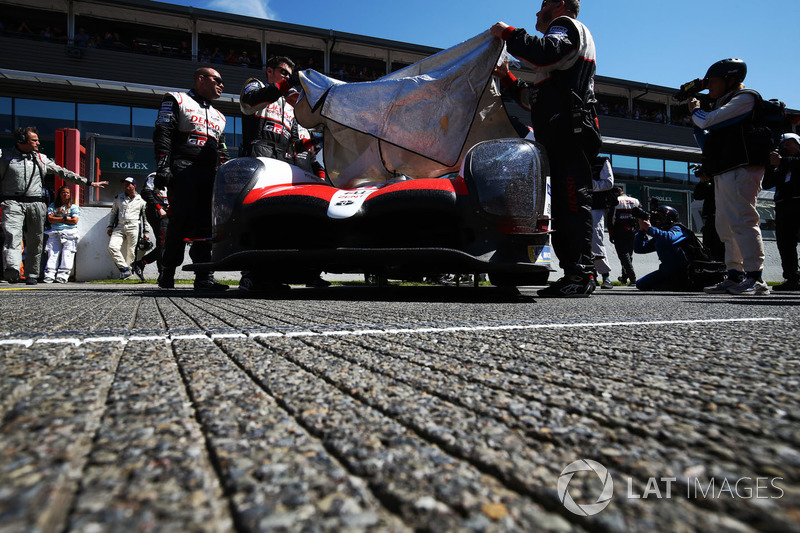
(62, 238)
(663, 234)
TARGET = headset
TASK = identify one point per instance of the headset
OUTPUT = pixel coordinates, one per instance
(21, 136)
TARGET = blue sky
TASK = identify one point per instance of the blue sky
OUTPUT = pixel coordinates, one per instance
(651, 41)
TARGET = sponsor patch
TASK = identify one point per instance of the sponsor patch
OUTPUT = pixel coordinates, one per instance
(557, 30)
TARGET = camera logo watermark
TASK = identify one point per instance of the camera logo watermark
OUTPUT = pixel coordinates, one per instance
(744, 488)
(589, 509)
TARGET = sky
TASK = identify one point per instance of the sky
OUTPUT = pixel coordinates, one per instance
(664, 43)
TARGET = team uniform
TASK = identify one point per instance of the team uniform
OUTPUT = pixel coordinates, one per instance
(561, 101)
(622, 227)
(268, 124)
(189, 140)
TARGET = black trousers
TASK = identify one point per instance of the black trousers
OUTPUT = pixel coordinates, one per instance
(787, 230)
(623, 244)
(571, 195)
(190, 194)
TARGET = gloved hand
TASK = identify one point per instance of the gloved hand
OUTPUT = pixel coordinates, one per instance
(163, 177)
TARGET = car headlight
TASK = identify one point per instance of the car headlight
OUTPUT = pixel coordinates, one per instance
(508, 176)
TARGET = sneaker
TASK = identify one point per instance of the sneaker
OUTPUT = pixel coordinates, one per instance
(31, 281)
(606, 284)
(125, 273)
(572, 286)
(60, 280)
(788, 285)
(138, 269)
(208, 283)
(623, 280)
(166, 279)
(49, 280)
(749, 286)
(721, 287)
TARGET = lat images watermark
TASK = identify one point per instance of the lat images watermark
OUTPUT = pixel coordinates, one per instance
(745, 488)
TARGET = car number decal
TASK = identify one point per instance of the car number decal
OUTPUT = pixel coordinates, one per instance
(345, 204)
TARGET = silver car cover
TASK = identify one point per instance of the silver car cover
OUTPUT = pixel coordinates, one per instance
(419, 121)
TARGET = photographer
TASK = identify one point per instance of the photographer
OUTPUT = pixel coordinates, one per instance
(662, 234)
(704, 191)
(784, 174)
(735, 156)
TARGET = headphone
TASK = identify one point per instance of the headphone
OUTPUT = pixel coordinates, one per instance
(21, 136)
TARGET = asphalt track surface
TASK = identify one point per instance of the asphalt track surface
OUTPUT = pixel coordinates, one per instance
(127, 408)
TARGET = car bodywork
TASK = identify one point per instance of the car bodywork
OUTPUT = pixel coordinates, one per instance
(425, 175)
(492, 217)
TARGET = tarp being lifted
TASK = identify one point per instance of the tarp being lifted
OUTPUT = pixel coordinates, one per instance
(419, 121)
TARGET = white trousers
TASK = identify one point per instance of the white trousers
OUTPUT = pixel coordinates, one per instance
(122, 245)
(737, 219)
(598, 247)
(65, 244)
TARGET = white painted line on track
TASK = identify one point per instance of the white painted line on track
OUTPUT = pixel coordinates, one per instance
(168, 338)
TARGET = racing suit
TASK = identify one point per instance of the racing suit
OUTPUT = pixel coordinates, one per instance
(563, 116)
(268, 123)
(738, 169)
(157, 201)
(189, 144)
(621, 229)
(23, 205)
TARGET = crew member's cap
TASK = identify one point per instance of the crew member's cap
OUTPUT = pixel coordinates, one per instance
(788, 136)
(129, 180)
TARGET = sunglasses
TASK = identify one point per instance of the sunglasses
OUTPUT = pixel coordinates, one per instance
(285, 72)
(216, 79)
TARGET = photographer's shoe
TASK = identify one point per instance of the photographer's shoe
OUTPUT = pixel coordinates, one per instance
(721, 287)
(750, 286)
(788, 285)
(570, 286)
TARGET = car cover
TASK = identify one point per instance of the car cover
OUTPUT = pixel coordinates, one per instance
(418, 122)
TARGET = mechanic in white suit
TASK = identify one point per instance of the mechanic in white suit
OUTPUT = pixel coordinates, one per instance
(126, 214)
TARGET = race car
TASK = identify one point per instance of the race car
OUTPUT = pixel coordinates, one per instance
(491, 217)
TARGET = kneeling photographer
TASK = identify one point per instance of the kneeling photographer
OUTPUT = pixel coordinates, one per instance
(663, 234)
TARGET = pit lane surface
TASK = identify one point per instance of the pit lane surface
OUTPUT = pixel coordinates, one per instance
(129, 408)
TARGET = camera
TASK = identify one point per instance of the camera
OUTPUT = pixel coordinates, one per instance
(689, 89)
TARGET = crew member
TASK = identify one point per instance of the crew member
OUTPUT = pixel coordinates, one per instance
(268, 124)
(563, 115)
(22, 172)
(189, 144)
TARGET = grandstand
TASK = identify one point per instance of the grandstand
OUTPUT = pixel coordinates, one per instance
(102, 66)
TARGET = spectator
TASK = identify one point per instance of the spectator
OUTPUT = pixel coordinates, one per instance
(731, 155)
(62, 237)
(127, 213)
(784, 174)
(81, 38)
(217, 57)
(564, 119)
(621, 230)
(23, 170)
(231, 58)
(205, 56)
(188, 167)
(663, 237)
